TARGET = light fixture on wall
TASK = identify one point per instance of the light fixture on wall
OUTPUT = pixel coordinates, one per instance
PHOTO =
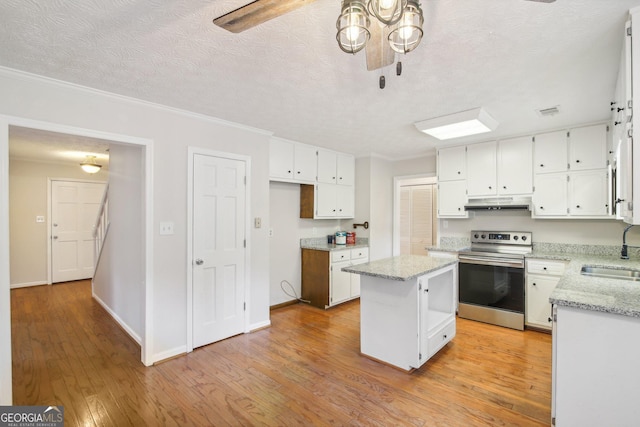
(465, 123)
(90, 165)
(403, 19)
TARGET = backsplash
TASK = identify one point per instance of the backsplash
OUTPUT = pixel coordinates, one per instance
(600, 250)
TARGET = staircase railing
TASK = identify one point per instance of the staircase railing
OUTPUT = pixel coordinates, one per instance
(101, 227)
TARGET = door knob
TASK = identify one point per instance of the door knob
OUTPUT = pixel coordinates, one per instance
(55, 237)
(199, 261)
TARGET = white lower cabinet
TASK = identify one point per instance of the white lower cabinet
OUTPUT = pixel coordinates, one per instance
(596, 379)
(404, 323)
(542, 278)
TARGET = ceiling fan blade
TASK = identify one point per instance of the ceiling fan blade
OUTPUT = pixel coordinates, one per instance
(257, 12)
(379, 53)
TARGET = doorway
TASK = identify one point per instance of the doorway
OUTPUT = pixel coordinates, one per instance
(218, 275)
(415, 215)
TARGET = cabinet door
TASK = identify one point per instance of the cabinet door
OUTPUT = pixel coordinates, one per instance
(515, 166)
(305, 162)
(588, 147)
(346, 166)
(538, 307)
(327, 164)
(589, 193)
(452, 196)
(340, 286)
(550, 195)
(355, 278)
(550, 152)
(625, 180)
(325, 201)
(452, 163)
(344, 201)
(481, 169)
(280, 159)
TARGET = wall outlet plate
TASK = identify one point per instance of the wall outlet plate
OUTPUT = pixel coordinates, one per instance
(166, 228)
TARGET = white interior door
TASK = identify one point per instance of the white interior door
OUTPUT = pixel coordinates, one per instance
(74, 210)
(218, 248)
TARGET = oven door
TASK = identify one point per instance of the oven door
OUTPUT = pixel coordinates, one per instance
(492, 290)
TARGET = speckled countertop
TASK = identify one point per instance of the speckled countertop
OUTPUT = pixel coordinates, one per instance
(320, 244)
(402, 268)
(451, 244)
(594, 293)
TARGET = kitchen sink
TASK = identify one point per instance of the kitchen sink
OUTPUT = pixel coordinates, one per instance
(611, 272)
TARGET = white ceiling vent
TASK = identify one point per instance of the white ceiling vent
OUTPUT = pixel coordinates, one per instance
(551, 111)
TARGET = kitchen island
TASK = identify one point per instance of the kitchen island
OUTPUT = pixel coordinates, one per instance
(407, 308)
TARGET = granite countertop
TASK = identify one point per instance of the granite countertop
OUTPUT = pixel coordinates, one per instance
(320, 244)
(401, 268)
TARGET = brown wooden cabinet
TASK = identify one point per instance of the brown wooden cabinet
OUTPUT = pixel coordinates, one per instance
(324, 283)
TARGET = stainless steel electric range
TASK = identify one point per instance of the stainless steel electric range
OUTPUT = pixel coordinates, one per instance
(491, 277)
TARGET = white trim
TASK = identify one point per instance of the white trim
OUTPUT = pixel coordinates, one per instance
(259, 325)
(398, 181)
(247, 273)
(6, 392)
(49, 212)
(168, 354)
(30, 78)
(5, 122)
(28, 284)
(117, 318)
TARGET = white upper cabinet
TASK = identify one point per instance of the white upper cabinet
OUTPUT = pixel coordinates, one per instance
(589, 193)
(452, 163)
(515, 167)
(334, 201)
(452, 196)
(588, 147)
(551, 195)
(482, 169)
(335, 168)
(290, 161)
(550, 153)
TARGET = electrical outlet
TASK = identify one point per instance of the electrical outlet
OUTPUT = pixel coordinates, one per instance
(271, 232)
(40, 218)
(166, 228)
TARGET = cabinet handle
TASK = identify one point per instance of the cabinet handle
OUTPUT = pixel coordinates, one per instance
(544, 268)
(444, 337)
(333, 177)
(549, 319)
(504, 187)
(458, 208)
(541, 165)
(489, 187)
(616, 123)
(534, 284)
(577, 161)
(458, 172)
(541, 208)
(341, 178)
(577, 206)
(298, 172)
(289, 171)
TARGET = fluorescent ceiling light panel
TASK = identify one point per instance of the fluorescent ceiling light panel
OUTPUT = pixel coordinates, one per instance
(465, 123)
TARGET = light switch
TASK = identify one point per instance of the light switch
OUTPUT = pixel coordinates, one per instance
(257, 222)
(166, 228)
(40, 218)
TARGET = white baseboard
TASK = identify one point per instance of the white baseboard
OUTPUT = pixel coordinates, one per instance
(27, 285)
(168, 354)
(118, 319)
(260, 325)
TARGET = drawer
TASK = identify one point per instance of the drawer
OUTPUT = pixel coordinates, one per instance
(337, 256)
(555, 268)
(439, 338)
(359, 253)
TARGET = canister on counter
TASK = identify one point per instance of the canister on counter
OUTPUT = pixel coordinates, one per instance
(330, 239)
(351, 237)
(341, 237)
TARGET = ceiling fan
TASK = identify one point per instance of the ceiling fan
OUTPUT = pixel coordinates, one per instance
(378, 52)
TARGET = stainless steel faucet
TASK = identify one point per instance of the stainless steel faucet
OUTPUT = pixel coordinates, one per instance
(624, 252)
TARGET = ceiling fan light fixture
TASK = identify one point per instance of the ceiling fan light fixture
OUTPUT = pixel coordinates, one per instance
(90, 165)
(457, 125)
(388, 12)
(353, 26)
(408, 33)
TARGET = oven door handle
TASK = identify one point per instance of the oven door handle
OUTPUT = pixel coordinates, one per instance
(490, 261)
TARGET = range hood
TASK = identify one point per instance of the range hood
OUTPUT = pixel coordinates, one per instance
(499, 204)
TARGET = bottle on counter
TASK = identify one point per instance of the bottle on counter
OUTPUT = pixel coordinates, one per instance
(341, 237)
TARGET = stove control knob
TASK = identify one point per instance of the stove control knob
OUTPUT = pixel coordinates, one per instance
(484, 236)
(515, 237)
(524, 238)
(476, 235)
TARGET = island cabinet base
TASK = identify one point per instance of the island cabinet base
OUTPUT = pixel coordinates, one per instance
(404, 323)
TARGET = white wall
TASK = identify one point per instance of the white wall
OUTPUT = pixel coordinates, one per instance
(172, 131)
(28, 182)
(284, 246)
(119, 280)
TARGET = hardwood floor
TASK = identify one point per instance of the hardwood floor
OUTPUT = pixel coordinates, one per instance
(304, 370)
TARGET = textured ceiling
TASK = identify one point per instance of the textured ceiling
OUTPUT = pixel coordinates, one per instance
(288, 75)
